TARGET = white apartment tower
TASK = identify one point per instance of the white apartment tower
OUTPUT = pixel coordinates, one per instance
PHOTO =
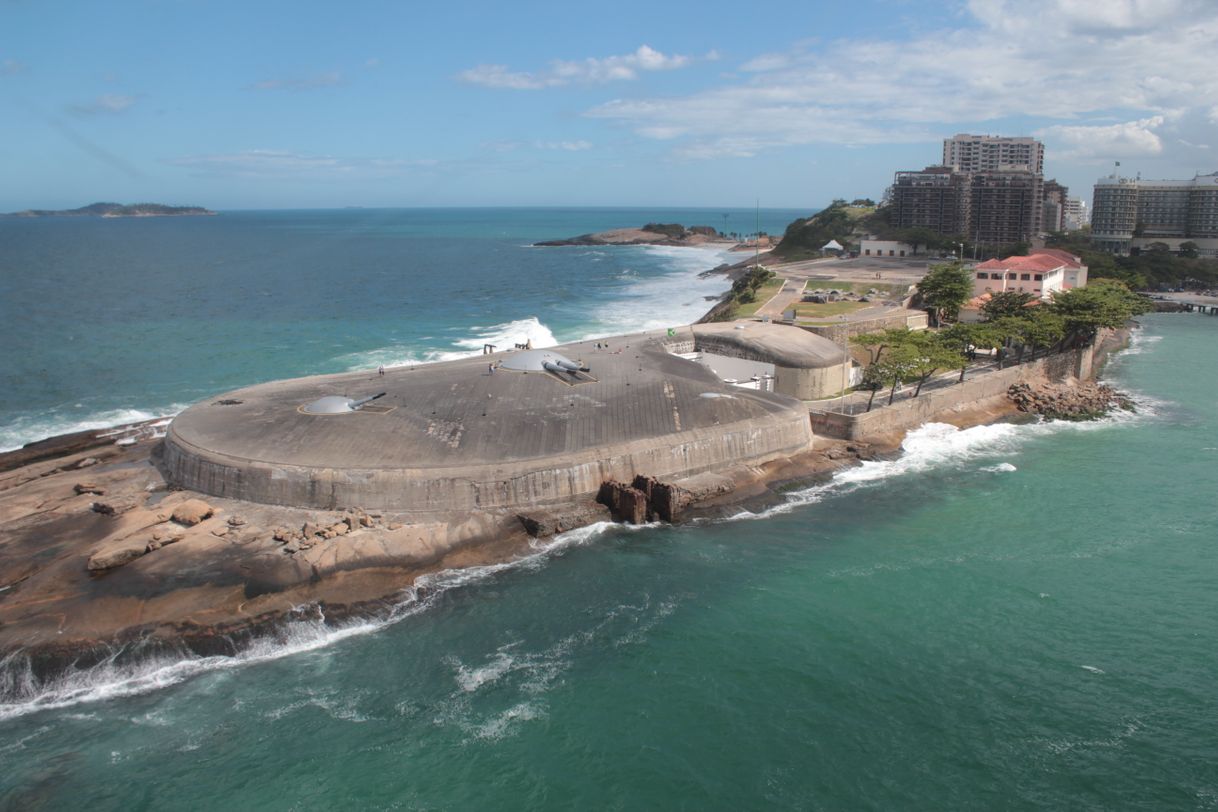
(993, 153)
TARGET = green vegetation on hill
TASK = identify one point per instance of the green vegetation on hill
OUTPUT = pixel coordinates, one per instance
(842, 221)
(749, 292)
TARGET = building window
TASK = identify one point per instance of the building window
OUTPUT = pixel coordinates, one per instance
(1039, 277)
(1011, 276)
(982, 275)
(1024, 277)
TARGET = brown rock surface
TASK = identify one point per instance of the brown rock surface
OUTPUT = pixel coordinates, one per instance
(192, 511)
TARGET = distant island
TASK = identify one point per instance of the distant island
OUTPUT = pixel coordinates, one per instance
(118, 210)
(650, 234)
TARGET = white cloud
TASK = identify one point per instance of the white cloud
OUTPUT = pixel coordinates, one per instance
(108, 103)
(1064, 62)
(586, 71)
(315, 82)
(263, 163)
(1130, 139)
(11, 67)
(564, 146)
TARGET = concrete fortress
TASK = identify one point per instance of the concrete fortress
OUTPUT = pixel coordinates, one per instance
(463, 436)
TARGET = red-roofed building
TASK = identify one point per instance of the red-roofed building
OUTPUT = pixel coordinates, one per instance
(1040, 273)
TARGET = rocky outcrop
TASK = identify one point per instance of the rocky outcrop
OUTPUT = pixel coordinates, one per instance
(650, 234)
(1084, 401)
(550, 522)
(644, 500)
(192, 511)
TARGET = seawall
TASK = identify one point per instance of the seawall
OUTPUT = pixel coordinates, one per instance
(984, 392)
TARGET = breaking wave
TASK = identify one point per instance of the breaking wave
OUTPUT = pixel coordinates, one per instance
(33, 427)
(22, 693)
(502, 336)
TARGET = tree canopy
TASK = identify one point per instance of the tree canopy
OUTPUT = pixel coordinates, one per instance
(945, 289)
(1103, 303)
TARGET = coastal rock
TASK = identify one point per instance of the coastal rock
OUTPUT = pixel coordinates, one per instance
(1087, 401)
(192, 511)
(113, 507)
(664, 501)
(117, 554)
(626, 504)
(88, 487)
(545, 523)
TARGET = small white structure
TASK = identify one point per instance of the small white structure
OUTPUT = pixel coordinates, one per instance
(885, 248)
(832, 246)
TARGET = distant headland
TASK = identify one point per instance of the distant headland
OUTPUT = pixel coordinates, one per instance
(118, 210)
(650, 234)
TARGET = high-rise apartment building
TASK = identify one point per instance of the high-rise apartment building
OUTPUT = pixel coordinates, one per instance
(1076, 214)
(935, 198)
(993, 153)
(1053, 213)
(1129, 213)
(1005, 207)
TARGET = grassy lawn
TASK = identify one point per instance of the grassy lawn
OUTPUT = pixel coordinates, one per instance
(888, 291)
(764, 294)
(811, 310)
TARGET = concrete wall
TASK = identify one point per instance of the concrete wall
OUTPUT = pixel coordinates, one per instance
(979, 392)
(801, 383)
(811, 384)
(837, 333)
(512, 486)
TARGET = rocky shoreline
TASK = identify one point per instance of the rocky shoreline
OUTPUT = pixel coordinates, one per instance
(1083, 401)
(102, 559)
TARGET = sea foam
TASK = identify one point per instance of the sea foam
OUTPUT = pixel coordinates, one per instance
(21, 693)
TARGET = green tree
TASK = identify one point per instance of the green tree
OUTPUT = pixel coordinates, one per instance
(1103, 303)
(1044, 328)
(1007, 303)
(877, 342)
(932, 354)
(1189, 250)
(945, 290)
(966, 339)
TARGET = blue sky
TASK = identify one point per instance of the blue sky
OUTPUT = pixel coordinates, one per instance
(308, 104)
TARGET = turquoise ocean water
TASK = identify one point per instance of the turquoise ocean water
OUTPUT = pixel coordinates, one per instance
(1009, 617)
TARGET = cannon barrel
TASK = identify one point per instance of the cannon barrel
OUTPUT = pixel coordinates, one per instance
(355, 404)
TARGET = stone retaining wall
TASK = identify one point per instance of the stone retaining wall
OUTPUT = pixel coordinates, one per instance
(982, 391)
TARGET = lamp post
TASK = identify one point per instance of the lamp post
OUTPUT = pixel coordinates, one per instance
(959, 251)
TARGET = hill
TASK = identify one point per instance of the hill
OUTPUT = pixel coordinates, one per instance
(847, 223)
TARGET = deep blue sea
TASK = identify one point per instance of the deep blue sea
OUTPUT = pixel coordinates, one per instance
(1004, 617)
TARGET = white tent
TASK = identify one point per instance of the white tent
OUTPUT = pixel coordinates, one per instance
(832, 245)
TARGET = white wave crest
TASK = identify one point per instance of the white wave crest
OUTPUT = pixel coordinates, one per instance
(21, 693)
(677, 296)
(41, 425)
(1000, 468)
(503, 336)
(939, 445)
